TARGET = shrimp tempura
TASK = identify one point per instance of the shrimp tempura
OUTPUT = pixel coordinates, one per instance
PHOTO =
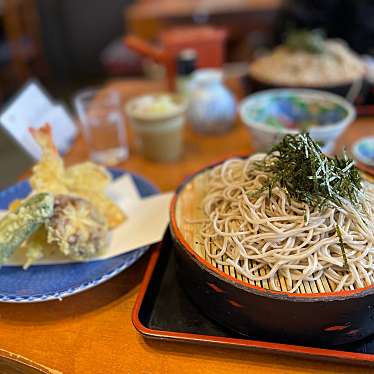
(86, 180)
(48, 173)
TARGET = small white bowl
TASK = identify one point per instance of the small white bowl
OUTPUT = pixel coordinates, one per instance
(270, 115)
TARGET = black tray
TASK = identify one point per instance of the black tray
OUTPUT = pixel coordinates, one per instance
(163, 310)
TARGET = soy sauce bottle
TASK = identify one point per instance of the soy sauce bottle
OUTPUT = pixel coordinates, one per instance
(186, 65)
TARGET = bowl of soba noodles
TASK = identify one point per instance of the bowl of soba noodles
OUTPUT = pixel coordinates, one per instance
(307, 59)
(279, 244)
(270, 115)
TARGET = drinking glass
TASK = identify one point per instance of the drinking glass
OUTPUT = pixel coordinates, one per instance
(102, 120)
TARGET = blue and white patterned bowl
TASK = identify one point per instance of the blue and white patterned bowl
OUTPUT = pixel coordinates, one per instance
(270, 115)
(51, 282)
(363, 150)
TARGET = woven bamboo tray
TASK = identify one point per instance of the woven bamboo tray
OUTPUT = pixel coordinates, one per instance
(189, 208)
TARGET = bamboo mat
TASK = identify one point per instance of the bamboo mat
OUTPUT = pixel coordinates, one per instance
(189, 208)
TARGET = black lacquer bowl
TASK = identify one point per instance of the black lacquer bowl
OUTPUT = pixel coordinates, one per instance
(318, 317)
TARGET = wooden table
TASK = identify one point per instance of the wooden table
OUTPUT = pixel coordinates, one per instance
(92, 332)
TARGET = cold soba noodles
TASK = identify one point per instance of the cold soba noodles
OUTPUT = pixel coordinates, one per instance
(294, 213)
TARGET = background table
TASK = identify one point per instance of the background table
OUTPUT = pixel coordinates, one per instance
(147, 18)
(92, 332)
(249, 23)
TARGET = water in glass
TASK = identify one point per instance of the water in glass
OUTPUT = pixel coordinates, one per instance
(103, 125)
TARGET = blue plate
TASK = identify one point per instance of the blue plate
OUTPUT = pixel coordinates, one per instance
(51, 282)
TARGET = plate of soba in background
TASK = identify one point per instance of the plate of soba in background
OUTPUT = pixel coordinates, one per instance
(282, 242)
(307, 59)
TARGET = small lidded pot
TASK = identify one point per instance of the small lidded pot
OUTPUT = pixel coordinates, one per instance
(157, 121)
(212, 106)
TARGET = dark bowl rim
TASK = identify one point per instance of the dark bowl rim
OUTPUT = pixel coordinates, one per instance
(336, 85)
(179, 237)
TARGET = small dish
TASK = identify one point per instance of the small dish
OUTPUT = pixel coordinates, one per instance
(157, 121)
(55, 282)
(269, 115)
(363, 150)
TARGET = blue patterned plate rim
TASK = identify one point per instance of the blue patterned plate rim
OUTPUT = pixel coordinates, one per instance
(35, 275)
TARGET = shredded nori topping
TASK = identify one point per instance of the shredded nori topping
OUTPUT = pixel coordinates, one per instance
(298, 165)
(311, 41)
